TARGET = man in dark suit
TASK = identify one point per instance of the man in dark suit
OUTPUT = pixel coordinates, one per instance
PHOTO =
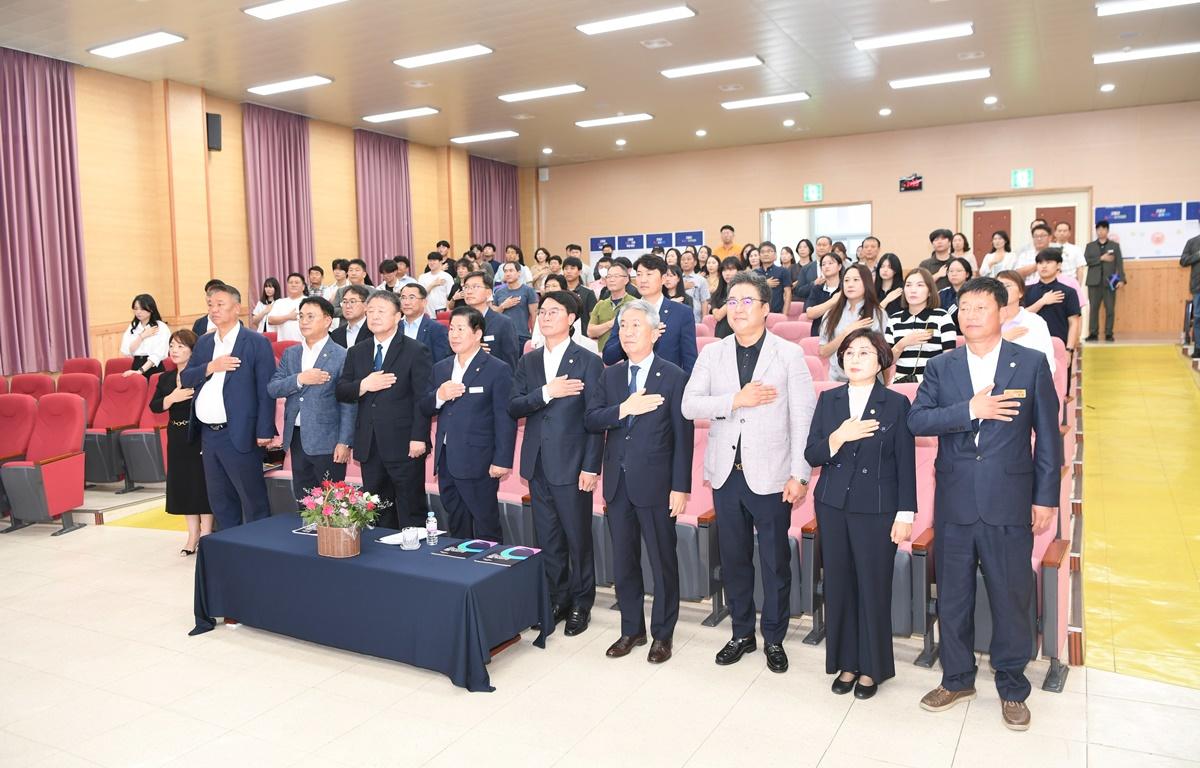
(647, 477)
(553, 388)
(499, 334)
(419, 326)
(317, 429)
(353, 327)
(387, 377)
(231, 410)
(1103, 257)
(676, 341)
(204, 323)
(984, 402)
(473, 448)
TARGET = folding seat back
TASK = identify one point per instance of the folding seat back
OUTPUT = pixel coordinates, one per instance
(909, 390)
(145, 448)
(120, 409)
(271, 336)
(811, 345)
(279, 346)
(825, 386)
(442, 314)
(18, 414)
(168, 364)
(703, 330)
(83, 365)
(85, 385)
(704, 341)
(524, 350)
(710, 321)
(774, 318)
(49, 482)
(795, 309)
(36, 385)
(816, 368)
(793, 331)
(116, 365)
(3, 386)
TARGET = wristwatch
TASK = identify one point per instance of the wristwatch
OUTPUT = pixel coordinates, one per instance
(803, 482)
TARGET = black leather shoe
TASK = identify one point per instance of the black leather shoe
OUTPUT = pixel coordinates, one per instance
(865, 691)
(577, 622)
(1092, 337)
(776, 657)
(660, 652)
(842, 687)
(735, 649)
(1108, 337)
(560, 613)
(624, 644)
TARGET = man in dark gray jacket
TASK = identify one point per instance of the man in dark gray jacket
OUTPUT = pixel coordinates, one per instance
(1191, 258)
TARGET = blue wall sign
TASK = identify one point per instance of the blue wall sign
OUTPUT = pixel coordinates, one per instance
(1117, 214)
(1161, 212)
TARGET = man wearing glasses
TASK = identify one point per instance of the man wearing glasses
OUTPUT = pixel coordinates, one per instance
(756, 391)
(499, 335)
(418, 326)
(354, 313)
(675, 340)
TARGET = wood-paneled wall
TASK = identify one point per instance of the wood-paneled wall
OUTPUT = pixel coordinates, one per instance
(227, 199)
(1151, 303)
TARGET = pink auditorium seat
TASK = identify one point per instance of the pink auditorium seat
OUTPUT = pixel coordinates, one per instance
(811, 345)
(526, 349)
(117, 365)
(3, 386)
(18, 414)
(145, 448)
(696, 538)
(36, 385)
(825, 386)
(816, 368)
(710, 321)
(516, 516)
(704, 341)
(775, 318)
(793, 331)
(83, 365)
(960, 341)
(87, 386)
(120, 409)
(795, 310)
(702, 329)
(49, 482)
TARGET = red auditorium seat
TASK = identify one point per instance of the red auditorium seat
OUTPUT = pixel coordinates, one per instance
(825, 386)
(279, 346)
(703, 330)
(516, 516)
(145, 448)
(794, 331)
(816, 368)
(527, 348)
(704, 341)
(442, 314)
(271, 336)
(120, 409)
(83, 365)
(117, 365)
(168, 364)
(3, 386)
(86, 386)
(49, 483)
(18, 413)
(36, 385)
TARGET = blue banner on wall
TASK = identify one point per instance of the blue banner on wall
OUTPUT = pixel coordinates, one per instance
(695, 238)
(662, 240)
(598, 243)
(631, 243)
(1161, 212)
(1117, 214)
(1193, 210)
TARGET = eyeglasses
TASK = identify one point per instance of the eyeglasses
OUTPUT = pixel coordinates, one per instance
(350, 302)
(746, 302)
(860, 354)
(549, 313)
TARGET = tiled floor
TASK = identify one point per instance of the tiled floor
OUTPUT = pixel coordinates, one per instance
(96, 668)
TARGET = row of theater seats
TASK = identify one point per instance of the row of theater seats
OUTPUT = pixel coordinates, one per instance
(41, 461)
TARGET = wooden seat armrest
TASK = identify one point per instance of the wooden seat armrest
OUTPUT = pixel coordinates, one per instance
(923, 542)
(12, 457)
(707, 517)
(60, 457)
(527, 499)
(1056, 554)
(809, 527)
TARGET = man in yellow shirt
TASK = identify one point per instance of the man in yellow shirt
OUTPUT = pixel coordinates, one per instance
(727, 246)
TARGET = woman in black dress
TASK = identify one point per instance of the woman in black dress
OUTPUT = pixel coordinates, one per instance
(186, 492)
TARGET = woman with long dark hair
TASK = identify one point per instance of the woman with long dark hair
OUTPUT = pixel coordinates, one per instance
(958, 272)
(888, 286)
(999, 258)
(854, 308)
(921, 330)
(824, 291)
(730, 266)
(271, 291)
(673, 285)
(147, 338)
(710, 267)
(806, 270)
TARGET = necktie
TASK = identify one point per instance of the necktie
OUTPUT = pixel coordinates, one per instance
(633, 372)
(379, 357)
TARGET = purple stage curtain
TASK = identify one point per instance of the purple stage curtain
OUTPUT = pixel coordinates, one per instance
(43, 315)
(278, 195)
(384, 202)
(495, 205)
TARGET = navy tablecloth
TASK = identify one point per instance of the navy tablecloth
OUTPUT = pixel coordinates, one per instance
(435, 612)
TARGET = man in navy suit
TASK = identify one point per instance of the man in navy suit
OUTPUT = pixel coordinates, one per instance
(353, 327)
(984, 402)
(473, 448)
(387, 376)
(553, 388)
(647, 477)
(229, 371)
(676, 341)
(317, 429)
(499, 333)
(419, 326)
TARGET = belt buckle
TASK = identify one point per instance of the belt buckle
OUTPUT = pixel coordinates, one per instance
(738, 467)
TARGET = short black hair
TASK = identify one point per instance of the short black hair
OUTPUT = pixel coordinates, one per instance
(489, 245)
(766, 244)
(573, 247)
(226, 289)
(1102, 223)
(321, 302)
(966, 264)
(474, 317)
(402, 260)
(487, 281)
(988, 285)
(753, 279)
(609, 246)
(937, 233)
(882, 349)
(317, 268)
(388, 266)
(624, 262)
(1044, 227)
(558, 279)
(651, 261)
(573, 261)
(357, 262)
(872, 237)
(566, 299)
(727, 226)
(361, 291)
(384, 293)
(442, 244)
(433, 256)
(559, 259)
(212, 284)
(297, 275)
(1049, 254)
(417, 287)
(342, 264)
(657, 250)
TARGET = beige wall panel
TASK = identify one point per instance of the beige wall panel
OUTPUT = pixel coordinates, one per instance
(227, 200)
(334, 198)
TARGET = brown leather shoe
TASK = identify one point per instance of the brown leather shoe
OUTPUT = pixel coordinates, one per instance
(660, 651)
(940, 699)
(1015, 714)
(624, 645)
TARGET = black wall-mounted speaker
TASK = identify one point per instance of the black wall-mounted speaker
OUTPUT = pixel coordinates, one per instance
(213, 130)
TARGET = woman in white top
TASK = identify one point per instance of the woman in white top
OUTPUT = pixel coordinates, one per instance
(1021, 326)
(266, 302)
(285, 313)
(920, 330)
(514, 253)
(148, 338)
(999, 258)
(855, 307)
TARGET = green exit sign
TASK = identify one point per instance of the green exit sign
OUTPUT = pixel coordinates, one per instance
(1022, 178)
(814, 193)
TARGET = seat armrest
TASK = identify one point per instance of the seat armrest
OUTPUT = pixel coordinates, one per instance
(706, 517)
(60, 457)
(12, 457)
(923, 542)
(121, 428)
(527, 499)
(809, 528)
(1056, 554)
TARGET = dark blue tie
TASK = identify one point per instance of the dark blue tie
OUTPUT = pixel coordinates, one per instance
(379, 357)
(633, 372)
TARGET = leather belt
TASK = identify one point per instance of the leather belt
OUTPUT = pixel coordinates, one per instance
(217, 427)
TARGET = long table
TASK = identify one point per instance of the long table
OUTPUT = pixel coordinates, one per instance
(430, 611)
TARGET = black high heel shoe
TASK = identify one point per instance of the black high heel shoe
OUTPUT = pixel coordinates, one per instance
(186, 552)
(842, 687)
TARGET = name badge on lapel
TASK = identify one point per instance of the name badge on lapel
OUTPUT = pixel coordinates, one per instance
(489, 338)
(1017, 393)
(475, 390)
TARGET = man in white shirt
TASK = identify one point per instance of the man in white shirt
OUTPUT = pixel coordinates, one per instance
(437, 283)
(352, 329)
(285, 312)
(340, 281)
(1073, 263)
(1026, 261)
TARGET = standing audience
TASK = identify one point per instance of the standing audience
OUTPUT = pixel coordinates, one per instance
(920, 331)
(1105, 276)
(855, 307)
(148, 339)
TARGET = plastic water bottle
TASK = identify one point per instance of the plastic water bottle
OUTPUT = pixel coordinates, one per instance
(431, 529)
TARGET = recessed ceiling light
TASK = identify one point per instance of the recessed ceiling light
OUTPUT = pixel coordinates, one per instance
(702, 133)
(713, 66)
(656, 43)
(541, 93)
(136, 45)
(729, 87)
(402, 114)
(1107, 88)
(268, 11)
(418, 83)
(1131, 54)
(948, 77)
(437, 57)
(1133, 6)
(620, 142)
(547, 151)
(965, 29)
(637, 20)
(484, 137)
(990, 100)
(885, 112)
(789, 123)
(764, 101)
(310, 81)
(614, 120)
(970, 55)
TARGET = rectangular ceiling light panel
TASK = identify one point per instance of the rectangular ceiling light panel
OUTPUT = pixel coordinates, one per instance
(674, 13)
(270, 89)
(268, 11)
(713, 66)
(402, 114)
(965, 29)
(542, 93)
(942, 79)
(766, 101)
(615, 120)
(485, 137)
(136, 45)
(438, 57)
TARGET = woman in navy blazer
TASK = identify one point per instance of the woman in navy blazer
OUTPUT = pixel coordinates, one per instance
(865, 502)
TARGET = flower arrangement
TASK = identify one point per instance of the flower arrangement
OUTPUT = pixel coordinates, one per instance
(340, 505)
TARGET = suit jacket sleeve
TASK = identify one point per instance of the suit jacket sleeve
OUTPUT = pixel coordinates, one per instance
(196, 372)
(613, 353)
(816, 453)
(284, 380)
(1091, 254)
(906, 462)
(685, 442)
(441, 345)
(348, 383)
(593, 449)
(421, 376)
(927, 417)
(524, 401)
(347, 412)
(698, 403)
(505, 426)
(802, 399)
(264, 369)
(429, 400)
(1047, 447)
(1119, 263)
(602, 416)
(687, 343)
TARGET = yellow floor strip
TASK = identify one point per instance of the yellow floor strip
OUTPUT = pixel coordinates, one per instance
(1141, 513)
(153, 518)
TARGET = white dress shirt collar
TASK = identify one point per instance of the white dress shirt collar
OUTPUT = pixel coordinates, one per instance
(643, 372)
(386, 343)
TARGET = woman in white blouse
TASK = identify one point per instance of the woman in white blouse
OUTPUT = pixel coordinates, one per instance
(285, 312)
(147, 339)
(1021, 326)
(266, 303)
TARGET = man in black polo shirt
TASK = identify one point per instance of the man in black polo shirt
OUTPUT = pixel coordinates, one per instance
(573, 271)
(1053, 301)
(778, 278)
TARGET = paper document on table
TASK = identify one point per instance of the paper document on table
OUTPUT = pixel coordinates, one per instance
(394, 538)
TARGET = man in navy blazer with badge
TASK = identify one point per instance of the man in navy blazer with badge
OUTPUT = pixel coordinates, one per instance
(475, 440)
(985, 402)
(499, 333)
(553, 388)
(676, 340)
(231, 410)
(647, 477)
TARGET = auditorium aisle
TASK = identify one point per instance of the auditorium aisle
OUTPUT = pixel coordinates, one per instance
(1141, 513)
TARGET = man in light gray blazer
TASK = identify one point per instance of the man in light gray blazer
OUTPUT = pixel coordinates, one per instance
(317, 429)
(756, 390)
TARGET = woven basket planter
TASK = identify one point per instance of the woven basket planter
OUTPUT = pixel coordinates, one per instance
(338, 542)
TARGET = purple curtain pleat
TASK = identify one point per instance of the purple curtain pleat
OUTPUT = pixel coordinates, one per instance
(384, 200)
(278, 194)
(43, 317)
(495, 204)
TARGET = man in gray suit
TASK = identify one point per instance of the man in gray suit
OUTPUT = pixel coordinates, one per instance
(1103, 257)
(317, 429)
(756, 390)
